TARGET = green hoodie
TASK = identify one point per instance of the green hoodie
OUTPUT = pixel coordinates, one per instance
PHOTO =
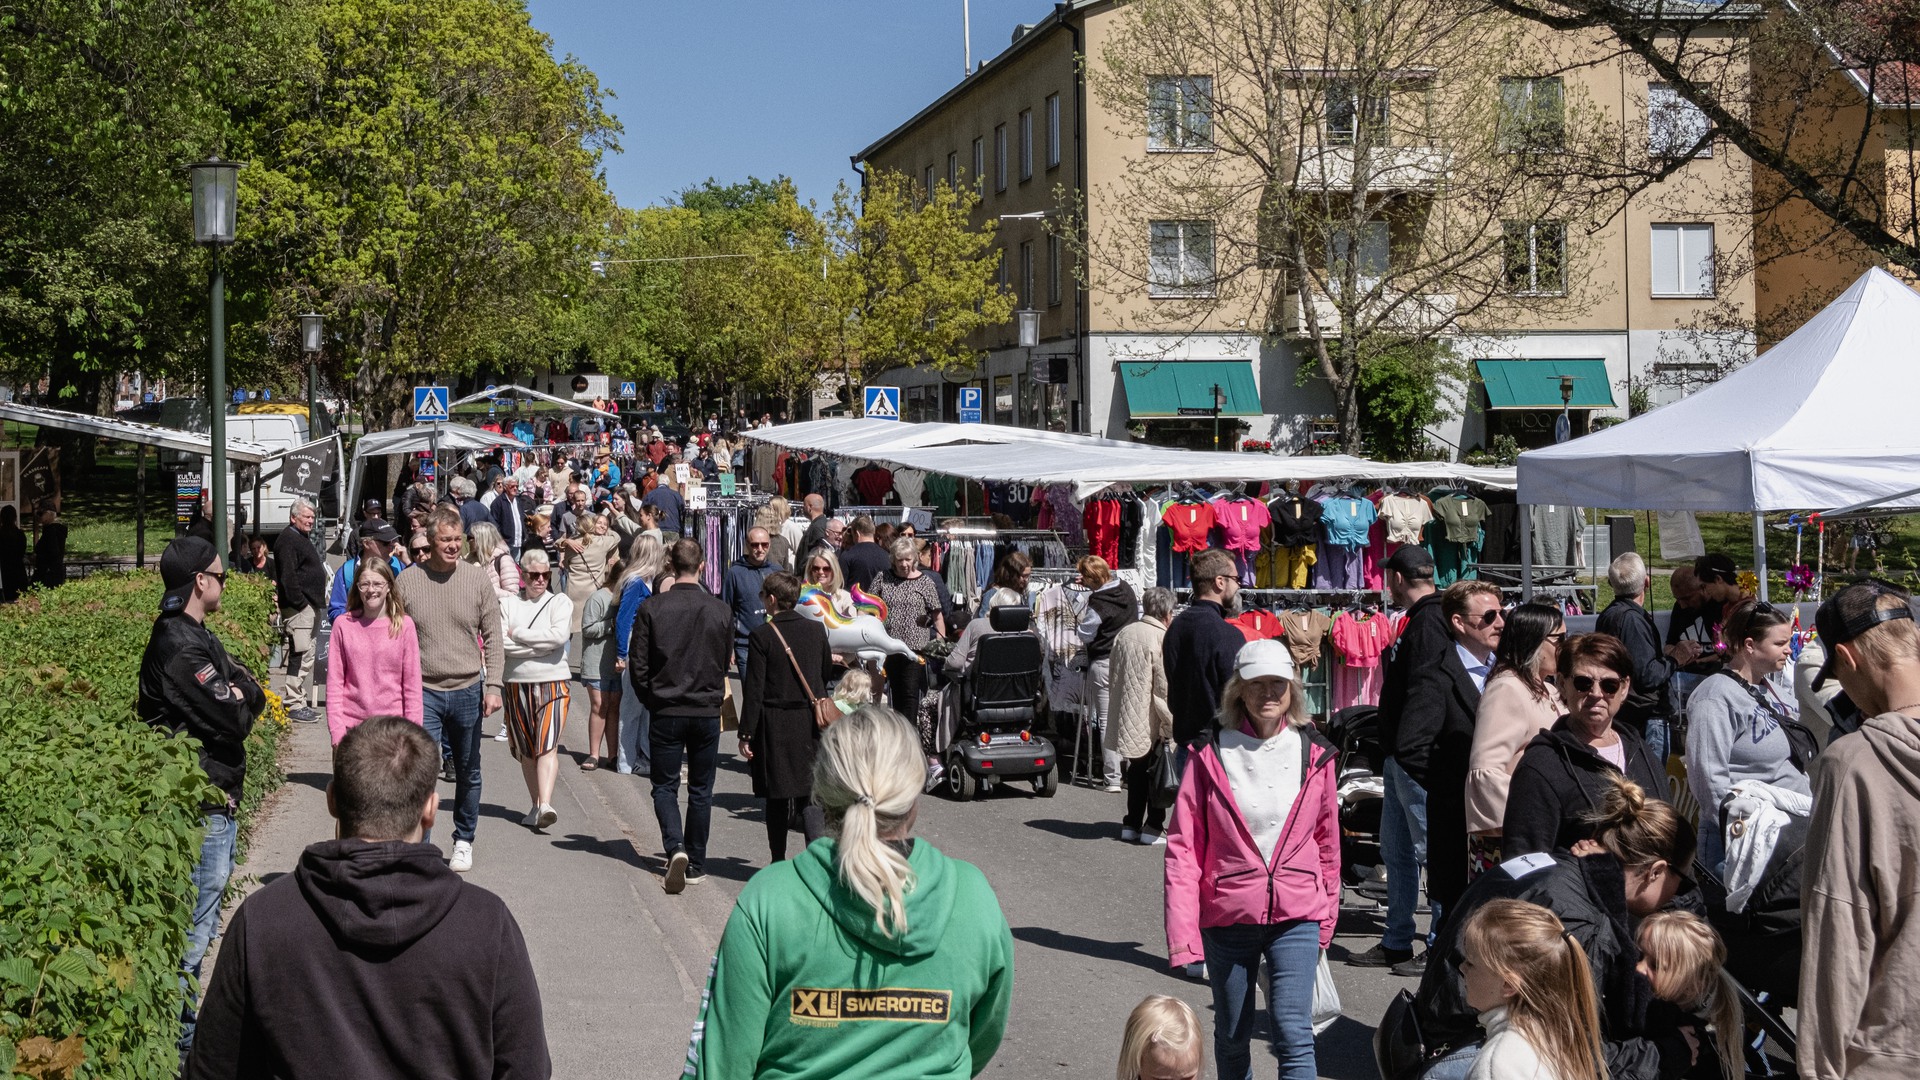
(805, 985)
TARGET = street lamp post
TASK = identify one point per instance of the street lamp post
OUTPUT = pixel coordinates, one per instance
(213, 228)
(1028, 320)
(312, 327)
(1219, 403)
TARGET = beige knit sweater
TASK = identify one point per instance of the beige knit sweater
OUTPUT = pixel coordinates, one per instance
(458, 618)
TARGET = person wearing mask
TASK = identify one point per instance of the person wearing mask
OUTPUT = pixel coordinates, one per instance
(862, 561)
(1200, 646)
(534, 635)
(510, 512)
(1253, 861)
(1423, 640)
(1521, 700)
(1743, 724)
(13, 554)
(453, 603)
(667, 506)
(190, 686)
(1140, 723)
(599, 672)
(893, 926)
(677, 665)
(1161, 1041)
(1111, 607)
(913, 616)
(1863, 848)
(788, 665)
(378, 543)
(1567, 770)
(1654, 665)
(373, 656)
(371, 947)
(302, 589)
(740, 590)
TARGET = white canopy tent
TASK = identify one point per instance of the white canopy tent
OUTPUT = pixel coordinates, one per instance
(1823, 418)
(415, 439)
(112, 427)
(511, 390)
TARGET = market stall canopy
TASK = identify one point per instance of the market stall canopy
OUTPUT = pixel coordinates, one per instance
(420, 438)
(112, 427)
(1185, 388)
(1535, 384)
(510, 390)
(1824, 418)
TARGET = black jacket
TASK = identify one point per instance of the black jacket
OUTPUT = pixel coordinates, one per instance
(188, 684)
(1652, 667)
(1437, 722)
(678, 655)
(816, 536)
(302, 582)
(365, 955)
(1422, 642)
(1559, 779)
(1118, 608)
(861, 563)
(503, 514)
(776, 710)
(1589, 896)
(1199, 650)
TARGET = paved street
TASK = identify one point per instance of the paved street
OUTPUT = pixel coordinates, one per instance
(621, 964)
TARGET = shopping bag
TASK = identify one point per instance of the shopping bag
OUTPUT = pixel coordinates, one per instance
(1164, 782)
(1326, 997)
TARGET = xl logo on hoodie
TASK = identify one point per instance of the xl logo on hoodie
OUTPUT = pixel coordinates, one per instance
(826, 1008)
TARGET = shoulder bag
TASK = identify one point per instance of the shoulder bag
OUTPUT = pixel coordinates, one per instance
(825, 710)
(1163, 786)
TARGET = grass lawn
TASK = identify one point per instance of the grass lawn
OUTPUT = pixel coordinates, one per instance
(99, 508)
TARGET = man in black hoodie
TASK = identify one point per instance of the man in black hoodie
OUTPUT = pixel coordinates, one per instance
(372, 947)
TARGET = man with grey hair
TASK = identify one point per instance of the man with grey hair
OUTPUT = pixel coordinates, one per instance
(302, 587)
(1649, 702)
(1140, 722)
(510, 510)
(472, 510)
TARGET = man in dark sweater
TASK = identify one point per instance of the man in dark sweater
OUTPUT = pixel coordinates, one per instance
(372, 947)
(740, 591)
(862, 560)
(302, 586)
(1201, 645)
(677, 662)
(1649, 702)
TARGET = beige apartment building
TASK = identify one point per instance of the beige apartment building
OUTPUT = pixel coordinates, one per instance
(1026, 129)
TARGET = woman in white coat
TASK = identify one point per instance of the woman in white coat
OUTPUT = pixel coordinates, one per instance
(535, 633)
(1139, 720)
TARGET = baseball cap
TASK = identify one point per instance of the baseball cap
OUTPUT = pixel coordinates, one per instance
(372, 506)
(1851, 612)
(185, 557)
(376, 529)
(1411, 561)
(1259, 659)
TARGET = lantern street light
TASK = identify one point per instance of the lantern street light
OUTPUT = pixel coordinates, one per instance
(214, 183)
(312, 329)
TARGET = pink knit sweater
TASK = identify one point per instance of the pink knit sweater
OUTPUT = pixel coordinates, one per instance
(371, 672)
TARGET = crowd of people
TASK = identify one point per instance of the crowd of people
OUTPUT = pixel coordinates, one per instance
(1575, 911)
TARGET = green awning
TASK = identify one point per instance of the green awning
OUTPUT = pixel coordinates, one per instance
(1535, 384)
(1170, 388)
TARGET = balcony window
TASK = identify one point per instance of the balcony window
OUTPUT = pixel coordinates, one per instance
(1367, 246)
(1533, 115)
(1180, 259)
(1180, 112)
(1349, 112)
(1536, 257)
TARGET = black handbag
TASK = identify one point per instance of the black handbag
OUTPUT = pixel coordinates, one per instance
(1164, 779)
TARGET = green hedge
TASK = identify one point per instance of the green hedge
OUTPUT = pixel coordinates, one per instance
(99, 819)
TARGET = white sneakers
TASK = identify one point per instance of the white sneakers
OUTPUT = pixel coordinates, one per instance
(1129, 836)
(546, 816)
(1142, 837)
(500, 736)
(1153, 839)
(462, 860)
(1113, 789)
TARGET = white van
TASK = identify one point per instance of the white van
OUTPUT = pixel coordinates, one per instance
(282, 426)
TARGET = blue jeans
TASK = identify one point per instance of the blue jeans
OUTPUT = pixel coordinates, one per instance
(1403, 846)
(1657, 743)
(453, 719)
(210, 876)
(697, 738)
(740, 658)
(1455, 1065)
(1292, 953)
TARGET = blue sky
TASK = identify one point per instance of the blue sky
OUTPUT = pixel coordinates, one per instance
(738, 88)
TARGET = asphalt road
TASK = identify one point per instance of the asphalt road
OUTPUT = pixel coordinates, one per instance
(621, 964)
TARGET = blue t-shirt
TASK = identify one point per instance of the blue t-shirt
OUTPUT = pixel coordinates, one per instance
(1347, 519)
(668, 502)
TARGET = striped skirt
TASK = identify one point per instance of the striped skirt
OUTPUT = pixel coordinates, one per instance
(535, 714)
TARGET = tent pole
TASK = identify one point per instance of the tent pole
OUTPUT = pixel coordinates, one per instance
(140, 509)
(1820, 567)
(1760, 550)
(1526, 553)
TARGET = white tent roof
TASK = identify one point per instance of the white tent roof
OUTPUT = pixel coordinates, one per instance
(112, 427)
(413, 440)
(510, 390)
(1825, 418)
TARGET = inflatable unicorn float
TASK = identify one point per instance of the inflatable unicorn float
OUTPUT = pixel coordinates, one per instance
(862, 633)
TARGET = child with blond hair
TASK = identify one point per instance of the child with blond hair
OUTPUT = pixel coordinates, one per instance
(1161, 1041)
(1528, 978)
(1683, 957)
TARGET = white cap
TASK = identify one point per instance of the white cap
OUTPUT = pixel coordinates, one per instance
(1259, 659)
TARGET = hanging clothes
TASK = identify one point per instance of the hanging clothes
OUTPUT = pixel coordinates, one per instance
(1361, 638)
(1101, 520)
(1306, 629)
(944, 493)
(1556, 535)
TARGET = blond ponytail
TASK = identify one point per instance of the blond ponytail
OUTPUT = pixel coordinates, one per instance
(867, 775)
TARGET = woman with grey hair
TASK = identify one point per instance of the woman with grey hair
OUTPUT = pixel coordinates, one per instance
(1140, 721)
(534, 632)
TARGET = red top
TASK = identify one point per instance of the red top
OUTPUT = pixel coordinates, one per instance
(1101, 519)
(1257, 625)
(1189, 523)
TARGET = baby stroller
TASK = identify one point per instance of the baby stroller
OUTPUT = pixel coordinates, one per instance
(1355, 735)
(996, 709)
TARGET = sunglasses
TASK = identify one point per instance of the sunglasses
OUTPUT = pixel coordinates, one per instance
(1584, 684)
(540, 574)
(758, 547)
(220, 577)
(421, 550)
(1487, 618)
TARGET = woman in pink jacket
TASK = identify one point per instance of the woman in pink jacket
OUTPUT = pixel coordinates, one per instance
(1253, 861)
(373, 655)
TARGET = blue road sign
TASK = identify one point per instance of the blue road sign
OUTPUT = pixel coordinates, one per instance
(883, 403)
(629, 391)
(429, 404)
(968, 401)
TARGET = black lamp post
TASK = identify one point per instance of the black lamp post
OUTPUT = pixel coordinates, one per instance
(214, 182)
(312, 327)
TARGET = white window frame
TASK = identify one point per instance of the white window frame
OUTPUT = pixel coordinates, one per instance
(1053, 271)
(1674, 123)
(1180, 114)
(1529, 87)
(1682, 254)
(1176, 251)
(999, 157)
(1535, 232)
(1053, 131)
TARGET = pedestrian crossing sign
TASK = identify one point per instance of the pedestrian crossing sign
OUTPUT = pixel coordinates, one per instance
(883, 403)
(629, 391)
(429, 404)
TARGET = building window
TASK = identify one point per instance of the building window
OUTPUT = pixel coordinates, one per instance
(1026, 145)
(1053, 271)
(929, 183)
(1683, 260)
(1674, 124)
(1000, 157)
(1369, 254)
(1536, 257)
(1349, 111)
(1179, 258)
(1053, 131)
(1000, 268)
(1533, 114)
(1003, 390)
(1026, 273)
(953, 170)
(979, 164)
(1180, 112)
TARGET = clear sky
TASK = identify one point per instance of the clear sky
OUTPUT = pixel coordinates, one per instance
(739, 88)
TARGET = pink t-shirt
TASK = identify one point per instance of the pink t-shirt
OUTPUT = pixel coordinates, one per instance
(1361, 641)
(1241, 520)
